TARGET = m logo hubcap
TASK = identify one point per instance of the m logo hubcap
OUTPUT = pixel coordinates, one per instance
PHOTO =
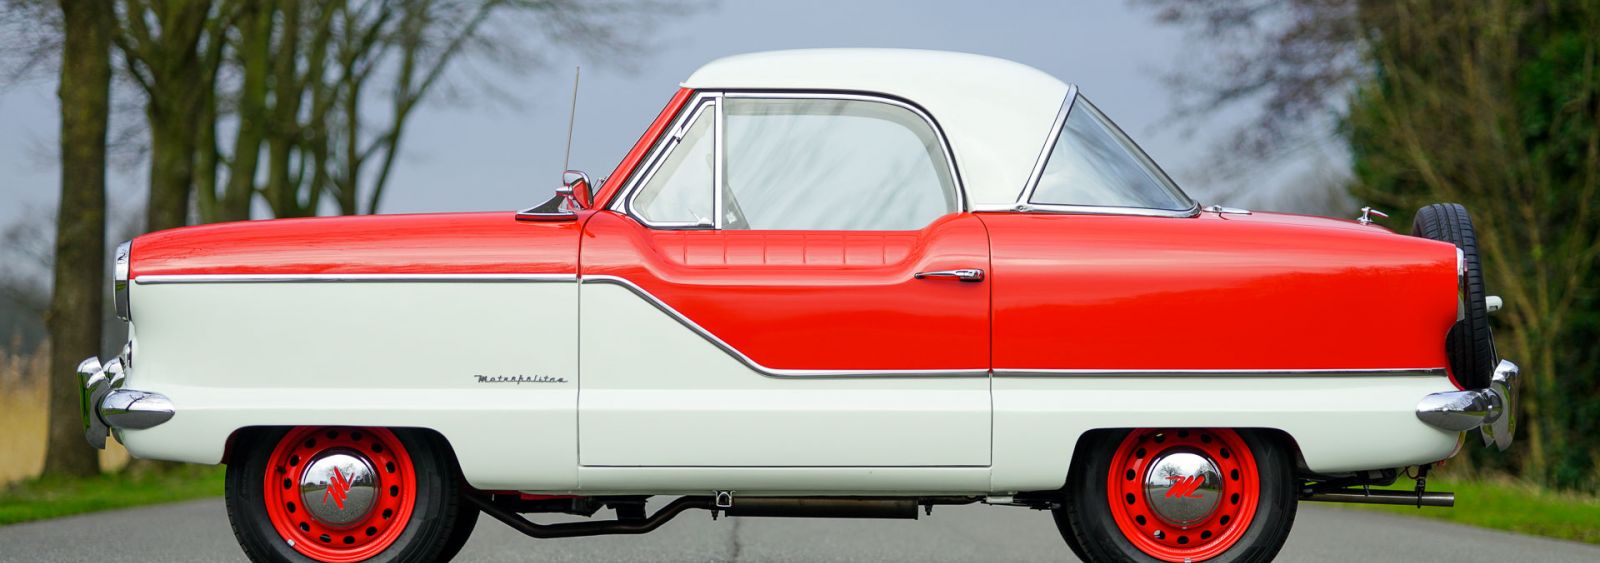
(338, 487)
(1183, 487)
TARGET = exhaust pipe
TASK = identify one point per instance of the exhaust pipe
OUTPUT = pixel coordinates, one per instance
(1400, 498)
(795, 507)
(824, 507)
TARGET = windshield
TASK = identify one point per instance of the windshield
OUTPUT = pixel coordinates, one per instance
(1095, 164)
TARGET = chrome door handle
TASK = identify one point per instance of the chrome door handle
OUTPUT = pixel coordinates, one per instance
(964, 274)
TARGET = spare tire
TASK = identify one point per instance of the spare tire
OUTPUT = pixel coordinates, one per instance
(1469, 345)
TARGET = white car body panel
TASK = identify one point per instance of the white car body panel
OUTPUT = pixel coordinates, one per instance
(370, 353)
(665, 396)
(1340, 423)
(664, 410)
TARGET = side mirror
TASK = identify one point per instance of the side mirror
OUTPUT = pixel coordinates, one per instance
(576, 189)
(572, 195)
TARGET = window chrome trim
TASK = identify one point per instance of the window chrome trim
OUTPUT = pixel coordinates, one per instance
(775, 372)
(624, 200)
(326, 278)
(1025, 202)
(1049, 145)
(1247, 373)
(698, 105)
(938, 132)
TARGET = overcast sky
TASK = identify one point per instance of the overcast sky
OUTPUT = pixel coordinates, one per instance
(488, 155)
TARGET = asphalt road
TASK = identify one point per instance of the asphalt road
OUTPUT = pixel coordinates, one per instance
(198, 531)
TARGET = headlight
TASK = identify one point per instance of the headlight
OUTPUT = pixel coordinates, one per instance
(119, 282)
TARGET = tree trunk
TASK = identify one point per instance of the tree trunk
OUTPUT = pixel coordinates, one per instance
(174, 132)
(75, 305)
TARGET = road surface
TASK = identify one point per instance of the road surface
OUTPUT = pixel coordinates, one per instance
(198, 531)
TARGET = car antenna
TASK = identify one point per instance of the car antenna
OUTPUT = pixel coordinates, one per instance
(572, 118)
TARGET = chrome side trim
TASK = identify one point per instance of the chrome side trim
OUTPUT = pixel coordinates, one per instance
(1104, 210)
(326, 278)
(764, 370)
(1246, 373)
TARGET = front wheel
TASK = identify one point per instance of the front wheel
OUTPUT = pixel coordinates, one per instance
(344, 494)
(1179, 494)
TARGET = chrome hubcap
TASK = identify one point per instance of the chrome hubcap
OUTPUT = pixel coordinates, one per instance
(339, 487)
(1183, 487)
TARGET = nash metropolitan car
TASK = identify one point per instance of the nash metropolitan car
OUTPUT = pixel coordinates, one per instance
(824, 283)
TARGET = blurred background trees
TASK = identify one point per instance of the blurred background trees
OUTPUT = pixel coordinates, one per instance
(1494, 104)
(251, 108)
(278, 108)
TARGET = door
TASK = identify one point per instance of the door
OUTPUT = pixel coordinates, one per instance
(791, 281)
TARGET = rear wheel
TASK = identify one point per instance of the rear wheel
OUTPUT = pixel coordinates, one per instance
(1179, 495)
(1470, 343)
(345, 494)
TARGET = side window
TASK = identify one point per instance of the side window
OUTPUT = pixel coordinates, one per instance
(1095, 164)
(678, 192)
(831, 164)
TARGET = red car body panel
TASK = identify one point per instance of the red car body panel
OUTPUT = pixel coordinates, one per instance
(439, 243)
(1063, 292)
(814, 300)
(1229, 292)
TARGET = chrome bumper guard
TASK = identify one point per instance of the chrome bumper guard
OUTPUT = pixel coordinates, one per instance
(103, 404)
(1492, 411)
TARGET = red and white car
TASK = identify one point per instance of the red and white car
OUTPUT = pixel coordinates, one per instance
(831, 283)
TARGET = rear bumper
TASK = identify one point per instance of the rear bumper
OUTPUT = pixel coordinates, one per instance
(104, 404)
(1492, 411)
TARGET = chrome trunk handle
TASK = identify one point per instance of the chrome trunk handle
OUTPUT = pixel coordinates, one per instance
(964, 274)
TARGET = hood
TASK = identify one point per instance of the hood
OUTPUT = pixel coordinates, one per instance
(436, 243)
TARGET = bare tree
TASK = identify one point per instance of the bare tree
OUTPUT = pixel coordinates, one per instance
(1291, 63)
(325, 90)
(161, 44)
(75, 307)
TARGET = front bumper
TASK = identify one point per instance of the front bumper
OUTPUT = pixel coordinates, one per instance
(104, 404)
(1492, 411)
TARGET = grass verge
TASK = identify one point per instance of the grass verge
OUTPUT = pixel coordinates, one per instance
(1510, 505)
(37, 499)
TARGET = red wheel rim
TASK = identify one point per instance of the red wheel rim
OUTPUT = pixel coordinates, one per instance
(1204, 536)
(393, 494)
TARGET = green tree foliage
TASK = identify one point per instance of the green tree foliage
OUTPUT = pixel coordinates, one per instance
(1494, 104)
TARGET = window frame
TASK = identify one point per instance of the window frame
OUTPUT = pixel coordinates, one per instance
(702, 100)
(671, 139)
(1025, 199)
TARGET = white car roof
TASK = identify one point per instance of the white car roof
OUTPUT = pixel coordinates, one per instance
(996, 113)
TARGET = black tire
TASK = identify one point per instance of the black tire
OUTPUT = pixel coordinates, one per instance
(1085, 520)
(466, 521)
(427, 535)
(1470, 343)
